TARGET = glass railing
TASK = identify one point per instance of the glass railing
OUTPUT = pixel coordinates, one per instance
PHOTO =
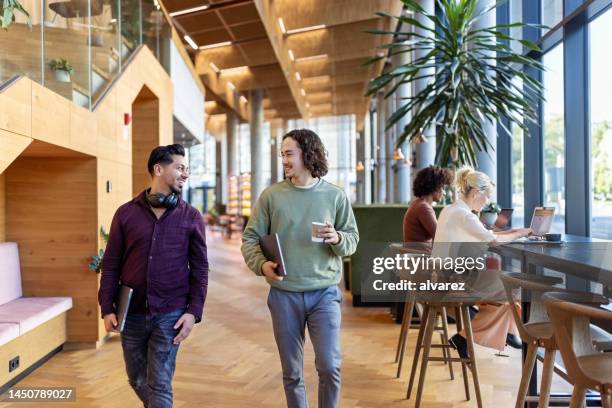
(78, 47)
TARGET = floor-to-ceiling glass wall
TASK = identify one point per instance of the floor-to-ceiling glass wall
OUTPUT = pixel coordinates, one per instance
(600, 81)
(554, 136)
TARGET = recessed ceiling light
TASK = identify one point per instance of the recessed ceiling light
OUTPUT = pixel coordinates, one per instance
(189, 10)
(306, 29)
(312, 58)
(291, 56)
(214, 67)
(298, 76)
(217, 45)
(317, 78)
(191, 42)
(243, 99)
(303, 92)
(235, 70)
(231, 86)
(281, 24)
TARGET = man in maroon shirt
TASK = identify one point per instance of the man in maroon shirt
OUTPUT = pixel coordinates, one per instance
(157, 247)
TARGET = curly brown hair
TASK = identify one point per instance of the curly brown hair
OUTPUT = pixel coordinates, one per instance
(431, 179)
(314, 154)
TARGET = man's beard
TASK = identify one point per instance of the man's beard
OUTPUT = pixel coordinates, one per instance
(176, 190)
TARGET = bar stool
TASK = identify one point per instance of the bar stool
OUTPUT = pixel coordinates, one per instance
(441, 327)
(571, 314)
(432, 309)
(416, 249)
(538, 331)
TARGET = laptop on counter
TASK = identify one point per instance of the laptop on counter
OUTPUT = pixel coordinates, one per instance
(541, 222)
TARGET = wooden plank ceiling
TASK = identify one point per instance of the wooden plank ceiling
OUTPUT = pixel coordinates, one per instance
(307, 55)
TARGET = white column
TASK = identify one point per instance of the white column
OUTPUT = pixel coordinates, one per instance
(403, 190)
(257, 145)
(425, 152)
(487, 162)
(381, 149)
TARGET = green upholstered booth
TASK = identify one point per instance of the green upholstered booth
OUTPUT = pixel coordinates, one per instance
(379, 224)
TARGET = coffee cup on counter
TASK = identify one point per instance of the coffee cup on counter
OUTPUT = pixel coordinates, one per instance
(552, 237)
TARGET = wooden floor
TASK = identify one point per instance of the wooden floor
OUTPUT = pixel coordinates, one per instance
(230, 360)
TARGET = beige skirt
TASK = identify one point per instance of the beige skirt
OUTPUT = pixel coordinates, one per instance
(492, 324)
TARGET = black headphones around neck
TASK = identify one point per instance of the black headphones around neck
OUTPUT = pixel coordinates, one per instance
(160, 200)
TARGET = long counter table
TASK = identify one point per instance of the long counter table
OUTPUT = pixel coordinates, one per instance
(582, 259)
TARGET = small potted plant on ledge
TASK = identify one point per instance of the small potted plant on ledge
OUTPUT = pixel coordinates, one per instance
(95, 264)
(489, 213)
(61, 69)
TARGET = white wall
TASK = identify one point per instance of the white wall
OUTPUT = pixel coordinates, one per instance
(188, 100)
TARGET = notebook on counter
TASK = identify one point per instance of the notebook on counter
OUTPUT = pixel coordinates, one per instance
(271, 247)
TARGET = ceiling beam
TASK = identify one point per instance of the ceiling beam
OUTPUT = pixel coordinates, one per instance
(269, 18)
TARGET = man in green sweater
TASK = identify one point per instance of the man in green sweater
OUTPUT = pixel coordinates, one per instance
(308, 295)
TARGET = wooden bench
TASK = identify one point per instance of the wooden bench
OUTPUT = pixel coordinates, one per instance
(31, 328)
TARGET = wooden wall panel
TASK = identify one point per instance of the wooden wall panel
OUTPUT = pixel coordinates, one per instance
(50, 116)
(145, 137)
(26, 108)
(12, 145)
(16, 108)
(51, 212)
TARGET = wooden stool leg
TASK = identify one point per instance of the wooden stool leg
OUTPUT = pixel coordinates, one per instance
(402, 331)
(547, 373)
(407, 312)
(447, 352)
(466, 385)
(577, 397)
(472, 355)
(417, 349)
(605, 399)
(431, 323)
(530, 359)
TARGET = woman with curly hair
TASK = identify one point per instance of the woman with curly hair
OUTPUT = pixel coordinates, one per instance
(420, 218)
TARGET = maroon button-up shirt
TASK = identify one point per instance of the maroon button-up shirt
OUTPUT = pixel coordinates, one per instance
(164, 260)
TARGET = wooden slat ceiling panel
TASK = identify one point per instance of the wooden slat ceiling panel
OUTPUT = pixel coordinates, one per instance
(339, 43)
(313, 68)
(240, 14)
(206, 20)
(242, 32)
(225, 57)
(258, 52)
(333, 85)
(211, 37)
(176, 5)
(329, 12)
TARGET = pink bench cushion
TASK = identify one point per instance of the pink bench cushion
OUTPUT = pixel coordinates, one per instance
(30, 312)
(10, 274)
(8, 332)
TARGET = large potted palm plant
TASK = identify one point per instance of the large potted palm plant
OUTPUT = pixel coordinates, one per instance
(478, 77)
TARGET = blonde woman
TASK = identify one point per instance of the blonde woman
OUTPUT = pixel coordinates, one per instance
(493, 326)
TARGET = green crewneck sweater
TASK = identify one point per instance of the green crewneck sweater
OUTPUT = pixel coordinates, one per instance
(289, 211)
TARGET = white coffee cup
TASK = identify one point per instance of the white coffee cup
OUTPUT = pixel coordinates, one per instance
(317, 228)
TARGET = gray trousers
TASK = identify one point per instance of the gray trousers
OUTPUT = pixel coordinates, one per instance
(320, 311)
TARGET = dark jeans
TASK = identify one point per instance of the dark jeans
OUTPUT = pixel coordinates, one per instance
(150, 356)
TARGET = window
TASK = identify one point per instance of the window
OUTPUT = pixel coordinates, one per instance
(600, 32)
(552, 13)
(518, 172)
(518, 191)
(554, 137)
(516, 15)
